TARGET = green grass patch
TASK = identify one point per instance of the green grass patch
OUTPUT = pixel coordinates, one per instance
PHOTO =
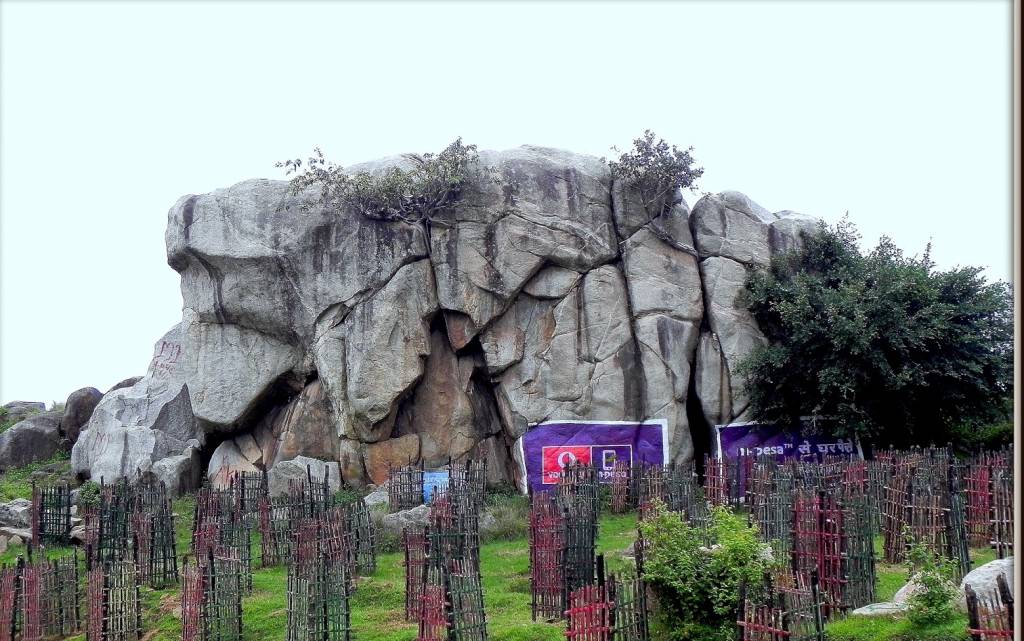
(16, 483)
(859, 628)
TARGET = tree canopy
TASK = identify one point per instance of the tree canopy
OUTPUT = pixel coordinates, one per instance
(883, 343)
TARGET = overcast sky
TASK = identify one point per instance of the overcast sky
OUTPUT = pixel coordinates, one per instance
(896, 112)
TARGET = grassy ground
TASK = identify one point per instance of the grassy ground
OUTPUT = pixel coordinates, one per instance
(888, 580)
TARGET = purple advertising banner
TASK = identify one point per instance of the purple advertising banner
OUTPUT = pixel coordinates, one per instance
(548, 447)
(756, 439)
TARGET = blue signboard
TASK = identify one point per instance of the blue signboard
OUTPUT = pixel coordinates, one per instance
(433, 481)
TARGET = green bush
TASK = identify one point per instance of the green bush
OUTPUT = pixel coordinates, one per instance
(89, 494)
(415, 195)
(697, 586)
(933, 603)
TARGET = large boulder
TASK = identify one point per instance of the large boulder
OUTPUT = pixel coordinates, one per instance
(134, 427)
(78, 410)
(36, 438)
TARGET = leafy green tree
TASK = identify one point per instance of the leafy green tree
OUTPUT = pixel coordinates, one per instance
(883, 343)
(656, 171)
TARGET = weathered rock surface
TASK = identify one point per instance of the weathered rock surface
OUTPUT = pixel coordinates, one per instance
(392, 453)
(77, 410)
(541, 206)
(133, 427)
(548, 291)
(35, 438)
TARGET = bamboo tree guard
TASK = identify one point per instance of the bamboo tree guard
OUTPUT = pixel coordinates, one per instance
(772, 512)
(547, 536)
(467, 621)
(51, 514)
(114, 613)
(108, 526)
(834, 541)
(249, 490)
(1002, 511)
(414, 544)
(990, 617)
(578, 491)
(405, 487)
(716, 483)
(227, 536)
(878, 477)
(786, 609)
(630, 615)
(469, 478)
(894, 515)
(10, 595)
(623, 498)
(358, 521)
(49, 596)
(588, 616)
(435, 608)
(211, 597)
(978, 492)
(319, 583)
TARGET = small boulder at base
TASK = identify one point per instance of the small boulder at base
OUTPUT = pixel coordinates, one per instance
(181, 473)
(881, 609)
(77, 411)
(285, 471)
(16, 513)
(982, 579)
(37, 438)
(396, 522)
(379, 496)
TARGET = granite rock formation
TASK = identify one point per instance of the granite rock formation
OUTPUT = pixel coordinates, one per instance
(546, 292)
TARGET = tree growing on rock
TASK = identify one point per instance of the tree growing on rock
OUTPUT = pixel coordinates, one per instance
(656, 171)
(414, 195)
(882, 342)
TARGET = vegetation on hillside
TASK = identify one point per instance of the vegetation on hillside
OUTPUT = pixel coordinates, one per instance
(884, 343)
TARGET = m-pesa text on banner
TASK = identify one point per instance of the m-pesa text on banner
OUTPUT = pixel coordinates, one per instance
(757, 439)
(548, 447)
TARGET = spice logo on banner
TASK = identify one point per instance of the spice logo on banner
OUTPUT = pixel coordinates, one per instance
(548, 447)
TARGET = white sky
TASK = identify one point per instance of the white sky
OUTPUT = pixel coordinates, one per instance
(897, 112)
